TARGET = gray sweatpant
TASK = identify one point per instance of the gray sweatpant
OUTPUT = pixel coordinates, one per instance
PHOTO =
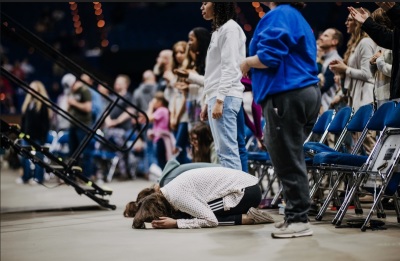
(289, 116)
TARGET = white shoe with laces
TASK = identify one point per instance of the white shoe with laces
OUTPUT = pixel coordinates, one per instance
(259, 216)
(290, 230)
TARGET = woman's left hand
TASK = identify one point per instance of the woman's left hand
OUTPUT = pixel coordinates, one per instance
(245, 68)
(164, 222)
(338, 66)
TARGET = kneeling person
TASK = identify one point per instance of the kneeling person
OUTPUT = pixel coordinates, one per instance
(201, 197)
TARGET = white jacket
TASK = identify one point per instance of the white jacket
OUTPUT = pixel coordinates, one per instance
(225, 53)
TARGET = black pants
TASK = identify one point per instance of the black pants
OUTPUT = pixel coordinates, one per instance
(233, 216)
(289, 115)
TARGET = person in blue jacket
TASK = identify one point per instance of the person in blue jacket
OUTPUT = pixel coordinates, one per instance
(282, 57)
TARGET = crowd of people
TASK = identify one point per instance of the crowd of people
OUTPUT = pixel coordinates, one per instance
(195, 103)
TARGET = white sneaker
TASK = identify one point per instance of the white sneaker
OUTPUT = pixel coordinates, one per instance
(19, 181)
(279, 224)
(259, 216)
(289, 230)
(32, 182)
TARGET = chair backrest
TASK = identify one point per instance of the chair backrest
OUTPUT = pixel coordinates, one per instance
(393, 120)
(321, 126)
(340, 120)
(323, 122)
(377, 122)
(361, 117)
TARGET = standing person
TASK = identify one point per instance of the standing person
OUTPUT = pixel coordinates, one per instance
(223, 90)
(141, 98)
(34, 112)
(118, 124)
(177, 102)
(354, 68)
(384, 37)
(163, 139)
(359, 81)
(284, 77)
(381, 63)
(163, 64)
(79, 105)
(193, 73)
(329, 41)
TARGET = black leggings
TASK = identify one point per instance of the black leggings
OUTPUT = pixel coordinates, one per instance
(233, 216)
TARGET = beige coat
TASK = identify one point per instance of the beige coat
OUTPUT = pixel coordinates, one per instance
(359, 80)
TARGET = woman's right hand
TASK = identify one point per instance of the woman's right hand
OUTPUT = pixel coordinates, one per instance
(204, 113)
(181, 73)
(359, 16)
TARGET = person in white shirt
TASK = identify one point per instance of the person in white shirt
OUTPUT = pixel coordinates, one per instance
(200, 197)
(223, 90)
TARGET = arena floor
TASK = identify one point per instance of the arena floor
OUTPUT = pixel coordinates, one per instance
(39, 223)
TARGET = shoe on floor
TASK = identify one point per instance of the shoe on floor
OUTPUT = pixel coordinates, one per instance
(290, 230)
(279, 224)
(19, 181)
(259, 216)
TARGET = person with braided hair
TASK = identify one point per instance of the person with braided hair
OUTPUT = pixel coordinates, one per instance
(223, 90)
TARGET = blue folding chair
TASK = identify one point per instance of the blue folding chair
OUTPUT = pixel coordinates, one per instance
(379, 170)
(343, 164)
(336, 127)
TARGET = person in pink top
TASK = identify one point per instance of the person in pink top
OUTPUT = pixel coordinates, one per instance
(161, 135)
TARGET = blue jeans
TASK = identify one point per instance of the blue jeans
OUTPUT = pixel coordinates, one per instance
(182, 142)
(224, 131)
(32, 170)
(85, 160)
(241, 138)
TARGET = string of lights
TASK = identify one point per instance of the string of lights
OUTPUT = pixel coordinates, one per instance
(98, 11)
(75, 18)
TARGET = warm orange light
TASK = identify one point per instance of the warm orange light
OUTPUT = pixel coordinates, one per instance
(95, 3)
(71, 3)
(261, 14)
(97, 6)
(2, 96)
(73, 7)
(247, 27)
(101, 23)
(78, 30)
(75, 18)
(255, 4)
(98, 11)
(104, 43)
(259, 9)
(77, 24)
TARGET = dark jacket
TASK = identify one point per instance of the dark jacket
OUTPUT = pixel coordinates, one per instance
(389, 39)
(36, 123)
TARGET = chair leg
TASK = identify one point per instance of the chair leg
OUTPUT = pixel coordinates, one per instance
(337, 220)
(316, 186)
(114, 163)
(396, 206)
(329, 197)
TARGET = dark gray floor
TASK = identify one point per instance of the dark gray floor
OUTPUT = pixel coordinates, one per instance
(39, 223)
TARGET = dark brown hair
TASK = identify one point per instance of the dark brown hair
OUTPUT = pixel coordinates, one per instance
(159, 95)
(132, 207)
(203, 38)
(152, 207)
(204, 140)
(223, 11)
